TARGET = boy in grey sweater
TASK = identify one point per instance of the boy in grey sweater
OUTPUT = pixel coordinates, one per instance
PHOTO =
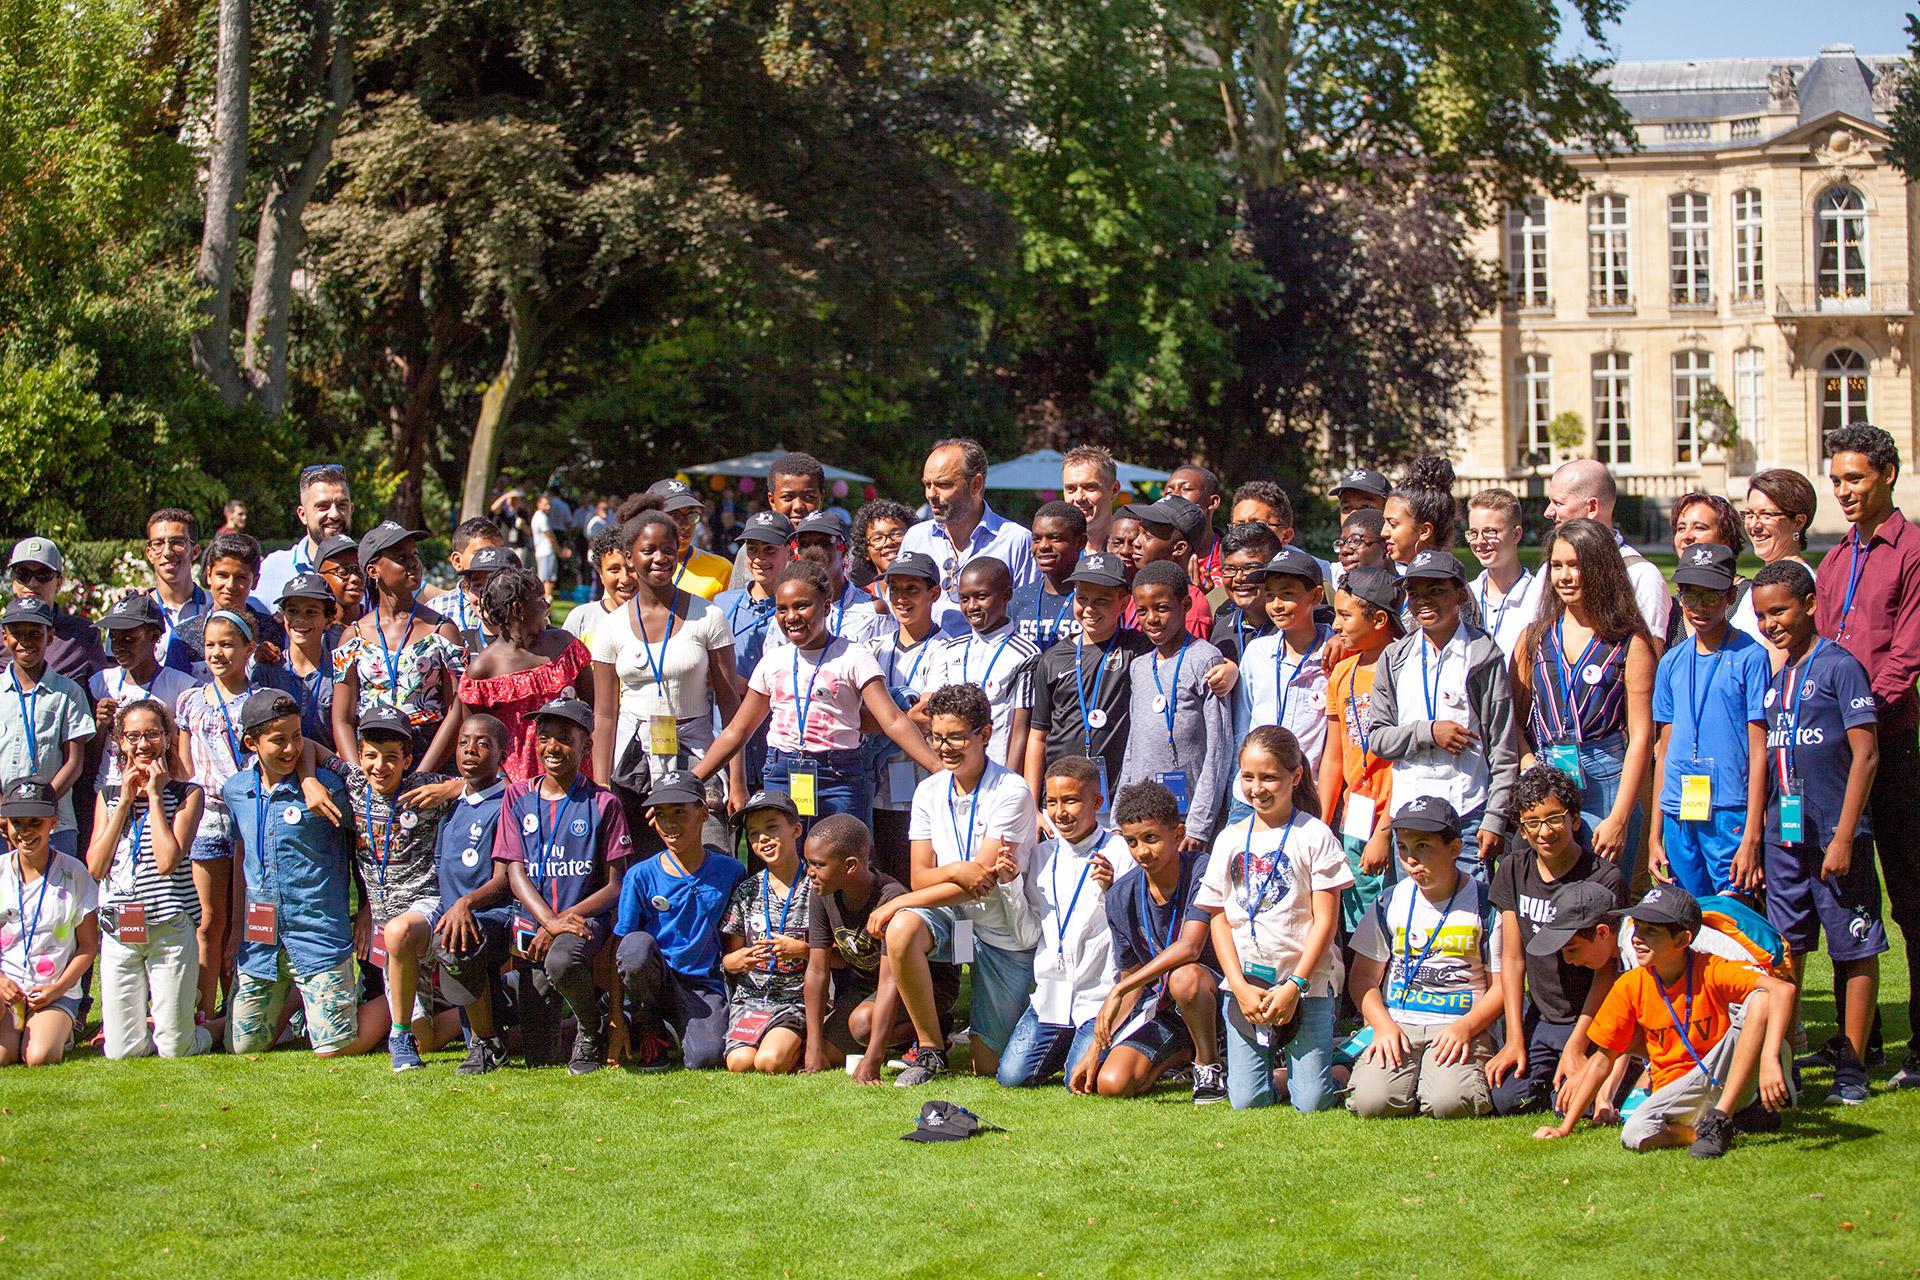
(1442, 711)
(1181, 731)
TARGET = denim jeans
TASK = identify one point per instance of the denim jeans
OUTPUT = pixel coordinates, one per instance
(1037, 1050)
(839, 786)
(1309, 1058)
(1600, 764)
(1469, 860)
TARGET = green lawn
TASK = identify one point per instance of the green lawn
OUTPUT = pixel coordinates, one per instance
(287, 1165)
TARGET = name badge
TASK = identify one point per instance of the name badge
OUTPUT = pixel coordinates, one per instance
(1793, 825)
(1258, 973)
(750, 1027)
(800, 787)
(1175, 780)
(1356, 820)
(1696, 792)
(262, 923)
(520, 939)
(663, 736)
(1565, 756)
(130, 924)
(963, 942)
(377, 951)
(902, 781)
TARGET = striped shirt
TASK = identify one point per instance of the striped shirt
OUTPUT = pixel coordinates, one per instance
(133, 878)
(1597, 678)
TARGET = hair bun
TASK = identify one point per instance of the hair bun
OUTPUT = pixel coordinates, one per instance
(1431, 472)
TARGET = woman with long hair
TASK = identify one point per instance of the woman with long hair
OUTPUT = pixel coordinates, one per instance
(1583, 685)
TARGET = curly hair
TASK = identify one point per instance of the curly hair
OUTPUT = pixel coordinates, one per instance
(1541, 782)
(1145, 802)
(1428, 494)
(966, 703)
(1730, 530)
(810, 573)
(863, 521)
(641, 512)
(1877, 445)
(505, 594)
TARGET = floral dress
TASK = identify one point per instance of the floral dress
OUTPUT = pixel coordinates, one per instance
(515, 696)
(406, 679)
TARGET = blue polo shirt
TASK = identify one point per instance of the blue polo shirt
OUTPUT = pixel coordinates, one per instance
(994, 536)
(1812, 705)
(463, 850)
(1710, 699)
(301, 863)
(682, 912)
(748, 619)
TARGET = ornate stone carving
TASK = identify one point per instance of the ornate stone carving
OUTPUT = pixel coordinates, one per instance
(1886, 87)
(1782, 93)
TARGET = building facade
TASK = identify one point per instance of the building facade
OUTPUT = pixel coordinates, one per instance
(1754, 255)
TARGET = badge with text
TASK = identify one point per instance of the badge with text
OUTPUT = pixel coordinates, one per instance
(1356, 820)
(800, 786)
(1565, 756)
(1793, 823)
(130, 924)
(1175, 780)
(1696, 792)
(262, 923)
(750, 1027)
(663, 736)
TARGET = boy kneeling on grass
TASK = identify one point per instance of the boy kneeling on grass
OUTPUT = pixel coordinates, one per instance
(1704, 1033)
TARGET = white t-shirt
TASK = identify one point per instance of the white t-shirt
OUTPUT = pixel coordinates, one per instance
(1001, 662)
(1001, 808)
(911, 668)
(165, 688)
(543, 545)
(1505, 618)
(583, 623)
(1279, 888)
(682, 661)
(828, 680)
(1073, 965)
(1649, 590)
(56, 907)
(1462, 780)
(1449, 968)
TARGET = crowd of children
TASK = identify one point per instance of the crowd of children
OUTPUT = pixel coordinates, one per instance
(1178, 801)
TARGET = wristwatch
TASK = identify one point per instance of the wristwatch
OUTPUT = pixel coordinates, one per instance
(1299, 982)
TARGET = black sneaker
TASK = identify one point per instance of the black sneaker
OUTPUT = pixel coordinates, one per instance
(1209, 1083)
(483, 1055)
(1826, 1056)
(1908, 1076)
(927, 1064)
(1755, 1118)
(1713, 1137)
(589, 1052)
(649, 1049)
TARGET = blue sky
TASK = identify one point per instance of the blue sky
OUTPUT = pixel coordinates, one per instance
(1755, 28)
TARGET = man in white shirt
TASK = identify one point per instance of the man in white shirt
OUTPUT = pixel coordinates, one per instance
(1507, 593)
(1585, 488)
(325, 509)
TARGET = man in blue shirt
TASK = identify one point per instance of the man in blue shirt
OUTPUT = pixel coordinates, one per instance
(964, 526)
(298, 930)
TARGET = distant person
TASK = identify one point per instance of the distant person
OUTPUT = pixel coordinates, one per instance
(1584, 487)
(236, 517)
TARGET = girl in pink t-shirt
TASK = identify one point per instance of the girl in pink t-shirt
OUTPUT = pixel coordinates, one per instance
(813, 690)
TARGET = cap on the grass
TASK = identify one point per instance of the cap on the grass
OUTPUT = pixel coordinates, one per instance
(948, 1122)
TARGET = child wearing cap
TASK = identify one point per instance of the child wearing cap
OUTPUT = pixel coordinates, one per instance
(667, 937)
(1169, 530)
(1443, 711)
(399, 655)
(565, 842)
(307, 613)
(1361, 490)
(133, 631)
(338, 562)
(1424, 960)
(1180, 727)
(1355, 782)
(527, 664)
(1704, 1034)
(1527, 887)
(1043, 608)
(821, 539)
(73, 645)
(144, 823)
(908, 659)
(297, 926)
(483, 565)
(48, 930)
(461, 606)
(765, 550)
(1082, 697)
(470, 935)
(1283, 673)
(1822, 753)
(700, 572)
(1710, 756)
(44, 716)
(992, 655)
(1419, 517)
(607, 554)
(765, 960)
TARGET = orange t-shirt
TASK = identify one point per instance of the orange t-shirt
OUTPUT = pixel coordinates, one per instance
(1634, 1004)
(1362, 772)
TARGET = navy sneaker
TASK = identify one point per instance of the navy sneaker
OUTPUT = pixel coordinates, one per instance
(1849, 1083)
(1908, 1076)
(1713, 1136)
(404, 1051)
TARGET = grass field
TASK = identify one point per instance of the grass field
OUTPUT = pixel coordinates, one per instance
(292, 1166)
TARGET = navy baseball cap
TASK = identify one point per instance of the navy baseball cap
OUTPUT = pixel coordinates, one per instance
(302, 586)
(1292, 562)
(572, 710)
(676, 786)
(1362, 480)
(1174, 511)
(385, 536)
(823, 522)
(491, 560)
(1379, 588)
(387, 721)
(264, 706)
(767, 526)
(131, 611)
(1669, 905)
(338, 547)
(1101, 569)
(28, 798)
(948, 1122)
(678, 497)
(1706, 564)
(1428, 813)
(31, 609)
(912, 564)
(1437, 564)
(1576, 906)
(778, 801)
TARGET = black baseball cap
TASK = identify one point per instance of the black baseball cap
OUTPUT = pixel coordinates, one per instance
(385, 536)
(1437, 564)
(676, 786)
(302, 586)
(1101, 569)
(572, 710)
(1706, 564)
(1428, 813)
(491, 560)
(779, 801)
(767, 526)
(678, 496)
(948, 1122)
(264, 706)
(1174, 511)
(28, 798)
(1669, 905)
(823, 522)
(1576, 906)
(338, 547)
(385, 720)
(136, 610)
(912, 564)
(1377, 587)
(1362, 480)
(1292, 562)
(30, 609)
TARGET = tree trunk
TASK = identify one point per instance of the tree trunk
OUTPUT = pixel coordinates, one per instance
(412, 424)
(497, 403)
(226, 188)
(282, 235)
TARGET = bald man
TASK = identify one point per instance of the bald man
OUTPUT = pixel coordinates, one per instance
(1585, 488)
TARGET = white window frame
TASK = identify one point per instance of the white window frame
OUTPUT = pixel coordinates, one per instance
(1613, 408)
(1690, 249)
(1529, 282)
(1839, 396)
(1840, 283)
(1692, 375)
(1750, 397)
(1609, 251)
(1533, 406)
(1749, 245)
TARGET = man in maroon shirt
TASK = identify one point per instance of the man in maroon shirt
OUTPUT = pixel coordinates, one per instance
(1869, 601)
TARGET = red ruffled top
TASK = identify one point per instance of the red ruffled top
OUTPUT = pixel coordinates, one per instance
(514, 697)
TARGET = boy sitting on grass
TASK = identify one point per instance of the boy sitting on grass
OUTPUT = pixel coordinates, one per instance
(470, 937)
(763, 948)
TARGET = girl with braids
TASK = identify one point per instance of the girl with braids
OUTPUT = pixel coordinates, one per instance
(527, 665)
(1583, 685)
(1421, 515)
(398, 654)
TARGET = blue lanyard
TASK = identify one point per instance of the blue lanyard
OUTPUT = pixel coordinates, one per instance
(1053, 633)
(966, 657)
(1853, 578)
(1792, 691)
(233, 738)
(1696, 703)
(1679, 1024)
(913, 672)
(1169, 702)
(659, 668)
(1283, 689)
(139, 830)
(388, 656)
(1431, 691)
(28, 705)
(758, 622)
(1250, 899)
(1565, 679)
(1066, 918)
(383, 852)
(806, 702)
(559, 832)
(1413, 966)
(973, 813)
(1080, 684)
(1173, 914)
(460, 602)
(20, 886)
(1489, 619)
(766, 906)
(260, 807)
(1354, 725)
(171, 618)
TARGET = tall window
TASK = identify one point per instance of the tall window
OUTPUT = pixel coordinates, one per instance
(1607, 252)
(1749, 275)
(1527, 254)
(1533, 403)
(1689, 266)
(1840, 240)
(1843, 390)
(1692, 374)
(1750, 396)
(1613, 408)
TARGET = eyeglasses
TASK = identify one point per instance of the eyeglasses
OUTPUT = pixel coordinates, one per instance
(1701, 597)
(144, 735)
(1360, 542)
(1485, 535)
(1765, 517)
(951, 741)
(1546, 822)
(883, 538)
(33, 573)
(168, 544)
(1235, 573)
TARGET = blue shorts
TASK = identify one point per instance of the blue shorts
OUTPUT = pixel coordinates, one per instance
(1801, 903)
(1700, 854)
(210, 849)
(68, 1004)
(1160, 1037)
(1001, 979)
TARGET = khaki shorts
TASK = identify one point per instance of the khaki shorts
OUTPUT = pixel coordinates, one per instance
(331, 998)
